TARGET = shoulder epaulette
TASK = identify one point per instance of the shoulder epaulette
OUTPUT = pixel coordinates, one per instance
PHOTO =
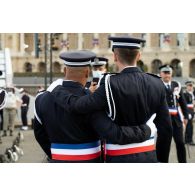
(154, 75)
(111, 73)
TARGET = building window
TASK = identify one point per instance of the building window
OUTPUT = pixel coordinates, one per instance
(41, 67)
(177, 67)
(192, 68)
(56, 67)
(144, 36)
(27, 67)
(191, 39)
(156, 63)
(142, 66)
(180, 39)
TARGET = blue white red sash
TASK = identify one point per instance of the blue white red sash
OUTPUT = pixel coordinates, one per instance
(116, 150)
(190, 106)
(173, 111)
(76, 152)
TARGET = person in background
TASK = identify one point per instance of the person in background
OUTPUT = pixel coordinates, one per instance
(189, 96)
(10, 111)
(3, 97)
(99, 67)
(24, 108)
(175, 100)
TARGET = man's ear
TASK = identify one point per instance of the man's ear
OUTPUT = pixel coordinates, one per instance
(115, 57)
(64, 71)
(138, 56)
(87, 73)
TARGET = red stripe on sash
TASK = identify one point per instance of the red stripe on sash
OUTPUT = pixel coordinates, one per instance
(76, 157)
(130, 150)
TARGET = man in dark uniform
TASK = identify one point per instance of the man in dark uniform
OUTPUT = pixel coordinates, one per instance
(3, 96)
(99, 68)
(131, 98)
(67, 137)
(189, 96)
(176, 103)
(24, 108)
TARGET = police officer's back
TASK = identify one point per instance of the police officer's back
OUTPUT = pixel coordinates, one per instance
(70, 137)
(131, 98)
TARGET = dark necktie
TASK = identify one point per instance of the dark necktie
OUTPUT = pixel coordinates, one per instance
(169, 88)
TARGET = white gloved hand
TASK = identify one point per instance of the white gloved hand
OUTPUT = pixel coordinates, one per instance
(152, 126)
(189, 116)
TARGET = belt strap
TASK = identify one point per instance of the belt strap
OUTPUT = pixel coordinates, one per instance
(76, 152)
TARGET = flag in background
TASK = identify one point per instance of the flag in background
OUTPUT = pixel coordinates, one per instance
(167, 38)
(95, 41)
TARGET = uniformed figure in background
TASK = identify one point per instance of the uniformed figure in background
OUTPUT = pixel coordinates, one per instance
(190, 99)
(24, 108)
(176, 103)
(3, 96)
(68, 137)
(131, 97)
(99, 67)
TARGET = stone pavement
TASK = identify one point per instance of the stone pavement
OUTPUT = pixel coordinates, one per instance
(32, 151)
(34, 154)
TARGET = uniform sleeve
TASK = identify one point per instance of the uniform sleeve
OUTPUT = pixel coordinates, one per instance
(88, 103)
(183, 104)
(40, 132)
(115, 134)
(164, 127)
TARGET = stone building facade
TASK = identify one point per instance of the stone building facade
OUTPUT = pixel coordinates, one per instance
(177, 49)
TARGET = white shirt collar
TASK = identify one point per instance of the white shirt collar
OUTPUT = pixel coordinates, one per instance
(169, 83)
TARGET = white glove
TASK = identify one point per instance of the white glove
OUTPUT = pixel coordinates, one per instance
(189, 116)
(152, 126)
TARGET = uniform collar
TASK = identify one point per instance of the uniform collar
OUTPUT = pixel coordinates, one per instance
(130, 69)
(70, 83)
(169, 83)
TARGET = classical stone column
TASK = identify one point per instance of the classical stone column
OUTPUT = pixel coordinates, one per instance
(22, 49)
(148, 42)
(154, 40)
(16, 43)
(173, 42)
(186, 41)
(80, 41)
(64, 36)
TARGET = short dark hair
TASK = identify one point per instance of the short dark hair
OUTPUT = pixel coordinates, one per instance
(126, 56)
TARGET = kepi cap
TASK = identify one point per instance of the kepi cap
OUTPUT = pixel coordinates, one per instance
(126, 42)
(189, 83)
(99, 61)
(77, 58)
(166, 68)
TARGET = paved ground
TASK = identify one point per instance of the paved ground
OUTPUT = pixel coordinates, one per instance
(32, 151)
(34, 154)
